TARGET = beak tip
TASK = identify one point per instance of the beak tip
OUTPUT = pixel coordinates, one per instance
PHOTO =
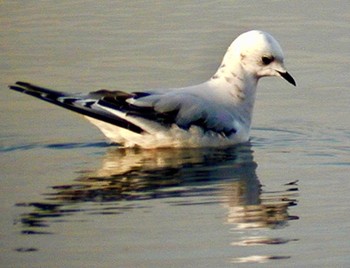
(288, 77)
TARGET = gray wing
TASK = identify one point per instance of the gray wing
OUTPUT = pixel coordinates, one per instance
(180, 108)
(185, 109)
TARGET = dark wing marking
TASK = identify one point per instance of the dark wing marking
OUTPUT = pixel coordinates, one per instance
(79, 104)
(84, 104)
(117, 103)
(164, 118)
(202, 123)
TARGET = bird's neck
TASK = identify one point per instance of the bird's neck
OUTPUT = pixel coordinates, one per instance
(240, 86)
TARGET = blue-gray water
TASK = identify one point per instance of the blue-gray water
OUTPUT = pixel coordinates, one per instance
(68, 199)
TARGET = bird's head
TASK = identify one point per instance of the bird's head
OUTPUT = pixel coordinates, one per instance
(259, 54)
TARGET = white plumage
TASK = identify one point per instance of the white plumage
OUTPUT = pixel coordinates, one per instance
(217, 112)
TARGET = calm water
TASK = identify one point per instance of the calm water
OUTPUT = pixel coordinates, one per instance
(68, 199)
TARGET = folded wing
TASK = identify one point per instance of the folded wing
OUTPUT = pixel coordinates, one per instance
(83, 104)
(166, 108)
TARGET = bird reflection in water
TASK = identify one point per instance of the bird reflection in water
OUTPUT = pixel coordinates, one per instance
(223, 176)
(134, 174)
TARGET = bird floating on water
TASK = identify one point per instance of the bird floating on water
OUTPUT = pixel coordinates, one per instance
(215, 113)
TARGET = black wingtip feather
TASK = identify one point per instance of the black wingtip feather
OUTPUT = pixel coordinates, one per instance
(36, 91)
(53, 96)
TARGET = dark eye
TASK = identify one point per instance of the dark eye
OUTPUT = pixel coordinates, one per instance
(266, 60)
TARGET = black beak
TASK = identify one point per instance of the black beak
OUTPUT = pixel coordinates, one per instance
(288, 77)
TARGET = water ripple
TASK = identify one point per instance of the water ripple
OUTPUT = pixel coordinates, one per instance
(55, 146)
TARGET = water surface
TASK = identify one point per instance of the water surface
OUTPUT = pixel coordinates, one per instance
(68, 199)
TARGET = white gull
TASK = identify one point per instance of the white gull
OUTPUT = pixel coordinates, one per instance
(217, 112)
